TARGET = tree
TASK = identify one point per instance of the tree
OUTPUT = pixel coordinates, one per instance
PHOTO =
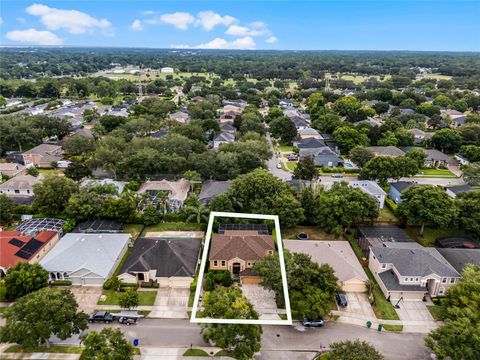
(311, 287)
(426, 205)
(468, 204)
(128, 299)
(34, 318)
(342, 206)
(382, 168)
(52, 194)
(388, 139)
(243, 341)
(471, 152)
(108, 344)
(471, 173)
(447, 140)
(459, 337)
(347, 106)
(418, 155)
(306, 170)
(428, 109)
(315, 102)
(197, 213)
(348, 138)
(84, 205)
(353, 350)
(24, 279)
(7, 210)
(284, 129)
(33, 171)
(78, 145)
(381, 107)
(360, 155)
(151, 215)
(327, 123)
(77, 170)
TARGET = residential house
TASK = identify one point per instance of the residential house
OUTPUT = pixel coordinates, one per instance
(11, 170)
(119, 185)
(286, 103)
(159, 134)
(86, 259)
(462, 160)
(380, 235)
(397, 188)
(20, 247)
(228, 116)
(453, 191)
(211, 189)
(166, 70)
(326, 157)
(309, 143)
(420, 135)
(228, 128)
(434, 157)
(20, 186)
(223, 138)
(43, 155)
(300, 123)
(174, 192)
(237, 251)
(459, 258)
(172, 262)
(411, 273)
(368, 187)
(309, 133)
(339, 255)
(392, 151)
(180, 116)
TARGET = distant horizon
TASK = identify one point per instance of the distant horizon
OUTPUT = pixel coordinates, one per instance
(394, 25)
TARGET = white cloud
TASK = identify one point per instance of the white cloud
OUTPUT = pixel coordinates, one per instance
(258, 24)
(236, 30)
(218, 43)
(181, 20)
(271, 40)
(21, 20)
(1, 21)
(209, 19)
(75, 22)
(136, 25)
(147, 12)
(33, 36)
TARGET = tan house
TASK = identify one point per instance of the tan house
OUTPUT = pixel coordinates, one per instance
(11, 169)
(43, 155)
(175, 192)
(237, 251)
(339, 255)
(20, 185)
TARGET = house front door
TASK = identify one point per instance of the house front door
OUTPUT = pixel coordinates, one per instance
(236, 269)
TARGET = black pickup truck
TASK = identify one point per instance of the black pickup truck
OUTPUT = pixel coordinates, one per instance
(100, 316)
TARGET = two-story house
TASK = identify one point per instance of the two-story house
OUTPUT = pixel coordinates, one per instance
(169, 194)
(411, 272)
(43, 155)
(237, 251)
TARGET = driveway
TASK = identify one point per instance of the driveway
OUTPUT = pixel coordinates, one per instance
(263, 301)
(86, 296)
(416, 316)
(358, 306)
(171, 303)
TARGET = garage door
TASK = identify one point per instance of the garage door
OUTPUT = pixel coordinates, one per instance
(254, 280)
(354, 287)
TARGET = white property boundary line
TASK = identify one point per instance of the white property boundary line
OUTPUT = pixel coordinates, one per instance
(198, 290)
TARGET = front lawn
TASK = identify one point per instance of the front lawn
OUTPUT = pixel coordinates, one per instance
(195, 352)
(57, 349)
(145, 298)
(292, 165)
(431, 172)
(383, 309)
(393, 327)
(286, 148)
(437, 312)
(430, 235)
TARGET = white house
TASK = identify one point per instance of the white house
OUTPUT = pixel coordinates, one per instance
(166, 70)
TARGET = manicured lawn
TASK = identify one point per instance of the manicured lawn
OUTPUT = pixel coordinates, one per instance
(43, 349)
(145, 298)
(174, 226)
(140, 312)
(437, 312)
(430, 235)
(50, 171)
(429, 172)
(393, 327)
(386, 214)
(292, 165)
(120, 264)
(224, 353)
(314, 232)
(195, 352)
(134, 229)
(286, 148)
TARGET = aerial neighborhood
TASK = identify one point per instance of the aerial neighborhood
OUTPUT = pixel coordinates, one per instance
(110, 171)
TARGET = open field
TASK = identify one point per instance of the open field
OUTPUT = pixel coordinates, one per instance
(437, 76)
(144, 77)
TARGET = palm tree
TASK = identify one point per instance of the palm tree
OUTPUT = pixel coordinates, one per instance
(196, 213)
(370, 286)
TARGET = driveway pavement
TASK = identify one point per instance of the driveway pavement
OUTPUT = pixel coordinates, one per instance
(170, 303)
(263, 301)
(358, 305)
(416, 311)
(87, 297)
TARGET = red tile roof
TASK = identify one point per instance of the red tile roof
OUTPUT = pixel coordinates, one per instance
(7, 254)
(245, 247)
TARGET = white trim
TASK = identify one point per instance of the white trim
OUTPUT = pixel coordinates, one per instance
(213, 214)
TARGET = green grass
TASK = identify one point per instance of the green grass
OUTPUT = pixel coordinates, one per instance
(430, 172)
(174, 227)
(314, 232)
(191, 298)
(430, 235)
(134, 229)
(145, 298)
(286, 148)
(393, 327)
(2, 309)
(114, 311)
(195, 352)
(50, 171)
(292, 165)
(57, 349)
(438, 76)
(224, 353)
(386, 214)
(437, 312)
(120, 264)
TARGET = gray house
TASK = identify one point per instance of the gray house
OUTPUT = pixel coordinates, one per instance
(211, 189)
(396, 189)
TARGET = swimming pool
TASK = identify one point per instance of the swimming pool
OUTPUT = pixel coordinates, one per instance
(348, 165)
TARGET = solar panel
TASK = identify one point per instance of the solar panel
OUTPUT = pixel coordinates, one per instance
(29, 249)
(16, 242)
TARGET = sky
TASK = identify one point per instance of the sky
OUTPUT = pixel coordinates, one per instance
(240, 24)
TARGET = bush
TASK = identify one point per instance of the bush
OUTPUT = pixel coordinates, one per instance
(391, 205)
(150, 284)
(209, 284)
(112, 283)
(339, 170)
(61, 283)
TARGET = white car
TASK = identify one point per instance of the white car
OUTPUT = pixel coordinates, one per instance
(279, 166)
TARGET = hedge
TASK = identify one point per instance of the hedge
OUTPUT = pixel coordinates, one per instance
(61, 283)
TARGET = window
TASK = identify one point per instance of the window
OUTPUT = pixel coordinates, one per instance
(17, 191)
(223, 262)
(416, 279)
(444, 280)
(441, 291)
(270, 252)
(411, 279)
(215, 263)
(406, 279)
(249, 264)
(452, 281)
(384, 266)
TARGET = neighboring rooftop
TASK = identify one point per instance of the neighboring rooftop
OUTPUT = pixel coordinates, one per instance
(177, 190)
(20, 182)
(41, 224)
(310, 143)
(211, 189)
(386, 151)
(400, 186)
(385, 233)
(98, 226)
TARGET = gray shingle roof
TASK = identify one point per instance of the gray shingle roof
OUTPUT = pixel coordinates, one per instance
(391, 283)
(459, 258)
(415, 262)
(211, 189)
(310, 143)
(401, 185)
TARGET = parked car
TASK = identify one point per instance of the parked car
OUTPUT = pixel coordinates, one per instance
(342, 300)
(100, 316)
(313, 322)
(337, 175)
(292, 157)
(279, 166)
(127, 321)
